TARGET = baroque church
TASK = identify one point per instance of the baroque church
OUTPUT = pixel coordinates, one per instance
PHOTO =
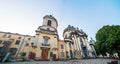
(46, 45)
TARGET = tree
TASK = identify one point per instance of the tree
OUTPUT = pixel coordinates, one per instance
(108, 40)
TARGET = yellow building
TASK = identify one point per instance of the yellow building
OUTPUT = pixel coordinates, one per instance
(45, 45)
(62, 50)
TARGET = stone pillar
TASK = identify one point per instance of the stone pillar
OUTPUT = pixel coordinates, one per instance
(76, 42)
(88, 47)
(68, 49)
(81, 46)
(37, 43)
(76, 45)
(19, 47)
(36, 40)
(79, 51)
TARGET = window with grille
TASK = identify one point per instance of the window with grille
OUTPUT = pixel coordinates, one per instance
(17, 42)
(45, 41)
(13, 51)
(23, 54)
(62, 54)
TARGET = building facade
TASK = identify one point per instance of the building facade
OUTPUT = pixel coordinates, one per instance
(45, 45)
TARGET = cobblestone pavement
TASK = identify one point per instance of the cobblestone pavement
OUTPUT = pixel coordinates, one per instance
(85, 61)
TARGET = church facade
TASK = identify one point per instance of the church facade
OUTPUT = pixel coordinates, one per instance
(45, 45)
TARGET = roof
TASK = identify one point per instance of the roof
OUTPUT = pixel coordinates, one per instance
(16, 34)
(75, 30)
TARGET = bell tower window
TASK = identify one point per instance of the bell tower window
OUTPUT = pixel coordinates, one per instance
(49, 23)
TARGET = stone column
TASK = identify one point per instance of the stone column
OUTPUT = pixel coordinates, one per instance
(76, 45)
(81, 46)
(88, 46)
(36, 40)
(78, 40)
(19, 47)
(68, 49)
(37, 43)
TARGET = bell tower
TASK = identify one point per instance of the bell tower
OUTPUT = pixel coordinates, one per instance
(47, 38)
(50, 21)
(49, 25)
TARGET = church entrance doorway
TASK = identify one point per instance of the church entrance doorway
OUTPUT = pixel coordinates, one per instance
(44, 54)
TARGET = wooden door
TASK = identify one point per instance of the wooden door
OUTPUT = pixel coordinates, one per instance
(44, 54)
(32, 55)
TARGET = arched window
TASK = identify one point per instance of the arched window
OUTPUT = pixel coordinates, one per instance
(49, 22)
(81, 41)
(70, 45)
(46, 38)
(62, 47)
(45, 41)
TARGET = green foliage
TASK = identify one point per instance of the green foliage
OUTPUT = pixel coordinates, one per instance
(108, 40)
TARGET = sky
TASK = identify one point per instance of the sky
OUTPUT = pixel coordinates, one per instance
(24, 16)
